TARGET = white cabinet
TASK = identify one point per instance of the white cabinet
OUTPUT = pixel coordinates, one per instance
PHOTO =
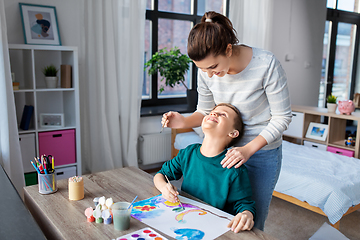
(27, 146)
(296, 127)
(27, 62)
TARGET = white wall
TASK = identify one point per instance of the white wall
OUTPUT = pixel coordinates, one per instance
(67, 14)
(298, 31)
(298, 28)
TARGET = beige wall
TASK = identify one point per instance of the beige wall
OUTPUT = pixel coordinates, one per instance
(298, 32)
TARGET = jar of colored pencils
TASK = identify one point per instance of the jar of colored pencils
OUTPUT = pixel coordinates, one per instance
(47, 183)
(76, 188)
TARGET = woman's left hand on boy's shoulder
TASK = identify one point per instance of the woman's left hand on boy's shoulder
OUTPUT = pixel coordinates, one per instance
(242, 222)
(236, 155)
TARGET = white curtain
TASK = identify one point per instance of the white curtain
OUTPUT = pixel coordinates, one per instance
(112, 53)
(10, 154)
(252, 20)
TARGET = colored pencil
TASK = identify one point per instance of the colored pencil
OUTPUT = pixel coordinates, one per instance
(53, 170)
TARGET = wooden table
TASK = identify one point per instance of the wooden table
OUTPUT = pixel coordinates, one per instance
(60, 218)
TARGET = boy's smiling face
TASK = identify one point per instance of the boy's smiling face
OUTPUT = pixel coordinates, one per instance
(220, 122)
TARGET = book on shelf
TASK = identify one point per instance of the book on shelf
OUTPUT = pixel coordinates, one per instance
(26, 117)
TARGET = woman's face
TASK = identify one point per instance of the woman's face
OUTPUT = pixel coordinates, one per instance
(218, 65)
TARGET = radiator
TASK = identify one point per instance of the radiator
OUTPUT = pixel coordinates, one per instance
(154, 148)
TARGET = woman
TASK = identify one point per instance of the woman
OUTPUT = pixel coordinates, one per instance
(253, 80)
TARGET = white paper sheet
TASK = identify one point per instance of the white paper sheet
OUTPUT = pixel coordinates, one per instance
(329, 233)
(197, 221)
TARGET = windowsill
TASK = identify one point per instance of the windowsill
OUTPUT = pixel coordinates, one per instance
(160, 110)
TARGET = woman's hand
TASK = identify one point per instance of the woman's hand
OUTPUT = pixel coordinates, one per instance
(173, 120)
(242, 222)
(236, 155)
(240, 155)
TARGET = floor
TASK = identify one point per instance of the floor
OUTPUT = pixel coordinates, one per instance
(287, 221)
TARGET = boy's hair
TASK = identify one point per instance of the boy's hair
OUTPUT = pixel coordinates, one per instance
(238, 123)
(211, 36)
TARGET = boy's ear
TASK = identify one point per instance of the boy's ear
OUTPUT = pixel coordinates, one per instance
(234, 134)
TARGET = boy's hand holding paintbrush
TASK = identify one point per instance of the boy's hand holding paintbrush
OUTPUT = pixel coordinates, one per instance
(169, 191)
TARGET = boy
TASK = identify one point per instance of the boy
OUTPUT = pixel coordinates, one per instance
(204, 178)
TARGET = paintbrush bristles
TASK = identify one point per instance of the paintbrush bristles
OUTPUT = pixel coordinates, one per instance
(162, 128)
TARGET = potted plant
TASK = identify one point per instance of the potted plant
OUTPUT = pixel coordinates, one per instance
(50, 73)
(331, 103)
(172, 66)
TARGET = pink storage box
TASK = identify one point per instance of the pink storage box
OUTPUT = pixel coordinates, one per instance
(341, 151)
(59, 144)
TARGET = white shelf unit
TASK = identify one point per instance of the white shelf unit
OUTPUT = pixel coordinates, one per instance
(26, 62)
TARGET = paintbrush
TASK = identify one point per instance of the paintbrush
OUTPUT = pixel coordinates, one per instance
(162, 128)
(163, 125)
(178, 198)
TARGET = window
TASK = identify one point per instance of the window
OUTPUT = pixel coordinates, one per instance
(340, 51)
(168, 23)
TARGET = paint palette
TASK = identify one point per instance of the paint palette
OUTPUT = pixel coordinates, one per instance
(142, 234)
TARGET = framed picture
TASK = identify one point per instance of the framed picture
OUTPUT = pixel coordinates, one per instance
(39, 24)
(317, 131)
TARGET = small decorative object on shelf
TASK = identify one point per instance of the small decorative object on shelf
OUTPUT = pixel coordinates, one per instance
(317, 131)
(346, 107)
(65, 73)
(331, 103)
(51, 79)
(350, 141)
(16, 85)
(50, 120)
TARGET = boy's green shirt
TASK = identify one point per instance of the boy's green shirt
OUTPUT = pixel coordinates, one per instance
(205, 178)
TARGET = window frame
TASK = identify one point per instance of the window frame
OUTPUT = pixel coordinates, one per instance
(154, 15)
(336, 16)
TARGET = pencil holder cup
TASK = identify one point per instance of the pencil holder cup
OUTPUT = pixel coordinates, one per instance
(47, 183)
(76, 188)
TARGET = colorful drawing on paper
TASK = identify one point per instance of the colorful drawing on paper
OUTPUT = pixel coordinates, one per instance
(196, 221)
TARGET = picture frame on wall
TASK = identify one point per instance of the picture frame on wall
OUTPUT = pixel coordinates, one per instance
(317, 131)
(40, 24)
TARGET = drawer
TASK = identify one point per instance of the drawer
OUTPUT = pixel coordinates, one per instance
(66, 172)
(315, 145)
(27, 146)
(59, 144)
(296, 126)
(341, 151)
